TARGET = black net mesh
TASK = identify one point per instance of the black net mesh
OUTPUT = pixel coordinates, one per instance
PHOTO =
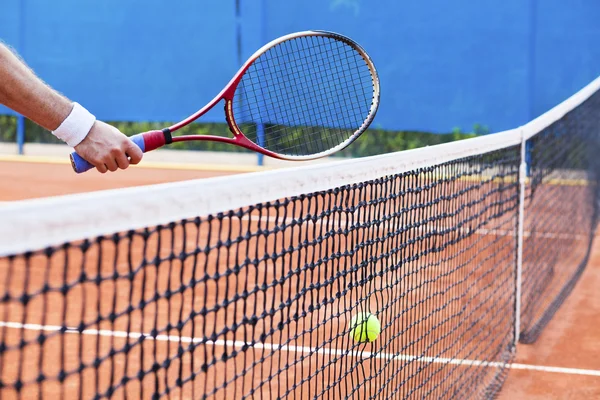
(257, 302)
(305, 96)
(561, 206)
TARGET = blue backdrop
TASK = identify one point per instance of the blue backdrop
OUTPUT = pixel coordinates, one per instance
(442, 64)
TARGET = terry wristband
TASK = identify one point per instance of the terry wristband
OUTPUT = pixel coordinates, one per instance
(76, 126)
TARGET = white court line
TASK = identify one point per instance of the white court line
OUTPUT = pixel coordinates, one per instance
(302, 349)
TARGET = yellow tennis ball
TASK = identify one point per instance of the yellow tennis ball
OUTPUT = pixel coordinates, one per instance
(365, 327)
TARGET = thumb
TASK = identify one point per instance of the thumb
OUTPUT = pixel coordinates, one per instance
(134, 153)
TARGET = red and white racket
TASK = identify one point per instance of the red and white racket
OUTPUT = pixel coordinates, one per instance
(303, 96)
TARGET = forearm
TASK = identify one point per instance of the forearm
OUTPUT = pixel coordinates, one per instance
(98, 143)
(22, 91)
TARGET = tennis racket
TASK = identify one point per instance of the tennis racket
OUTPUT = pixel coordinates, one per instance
(302, 96)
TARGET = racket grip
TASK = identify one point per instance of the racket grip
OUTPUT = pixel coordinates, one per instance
(80, 165)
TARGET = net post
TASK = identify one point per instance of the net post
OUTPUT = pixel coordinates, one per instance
(520, 223)
(260, 139)
(20, 133)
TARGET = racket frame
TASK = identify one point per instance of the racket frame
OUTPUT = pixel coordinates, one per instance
(158, 138)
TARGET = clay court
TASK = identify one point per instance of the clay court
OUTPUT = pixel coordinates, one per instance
(562, 364)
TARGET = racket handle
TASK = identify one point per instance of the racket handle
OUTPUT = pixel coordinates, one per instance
(80, 165)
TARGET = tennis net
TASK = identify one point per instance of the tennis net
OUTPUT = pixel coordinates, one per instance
(245, 287)
(561, 206)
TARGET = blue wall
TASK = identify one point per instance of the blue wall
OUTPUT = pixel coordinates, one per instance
(129, 59)
(566, 49)
(442, 64)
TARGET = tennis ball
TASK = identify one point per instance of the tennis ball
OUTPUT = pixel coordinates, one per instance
(365, 327)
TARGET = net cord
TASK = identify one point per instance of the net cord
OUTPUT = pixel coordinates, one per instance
(548, 118)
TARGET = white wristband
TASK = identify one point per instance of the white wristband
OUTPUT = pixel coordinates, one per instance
(76, 126)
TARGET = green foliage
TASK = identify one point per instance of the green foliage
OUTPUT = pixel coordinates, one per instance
(36, 134)
(379, 141)
(8, 128)
(373, 141)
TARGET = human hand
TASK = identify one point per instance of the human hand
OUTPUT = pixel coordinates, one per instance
(108, 149)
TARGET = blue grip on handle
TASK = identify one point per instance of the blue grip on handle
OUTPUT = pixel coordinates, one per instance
(80, 165)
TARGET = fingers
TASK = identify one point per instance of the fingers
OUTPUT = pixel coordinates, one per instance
(133, 152)
(120, 158)
(101, 168)
(111, 164)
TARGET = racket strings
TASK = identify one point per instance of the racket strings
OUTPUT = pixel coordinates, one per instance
(305, 96)
(320, 119)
